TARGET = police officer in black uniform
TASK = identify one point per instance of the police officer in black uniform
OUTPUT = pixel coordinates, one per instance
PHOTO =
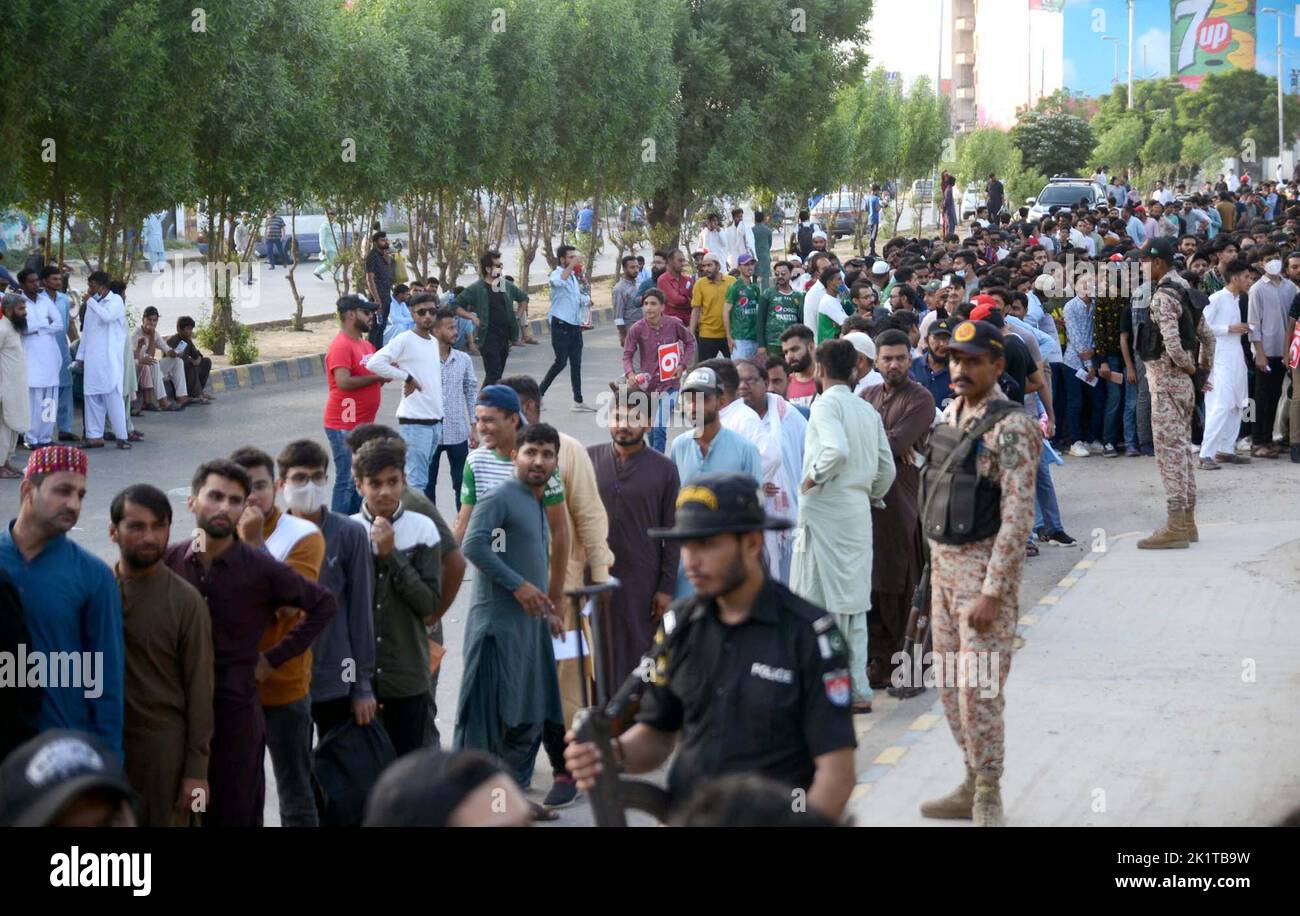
(744, 675)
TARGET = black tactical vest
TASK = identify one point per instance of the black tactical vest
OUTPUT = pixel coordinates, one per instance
(1150, 340)
(957, 505)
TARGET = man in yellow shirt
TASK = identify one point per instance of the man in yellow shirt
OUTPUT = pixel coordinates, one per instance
(708, 303)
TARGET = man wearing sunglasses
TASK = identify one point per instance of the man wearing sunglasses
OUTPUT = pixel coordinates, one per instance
(413, 357)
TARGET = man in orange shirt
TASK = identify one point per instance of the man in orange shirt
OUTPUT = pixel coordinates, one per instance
(286, 700)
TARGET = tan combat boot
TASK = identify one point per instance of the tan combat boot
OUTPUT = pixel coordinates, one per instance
(987, 809)
(1170, 535)
(1189, 525)
(956, 805)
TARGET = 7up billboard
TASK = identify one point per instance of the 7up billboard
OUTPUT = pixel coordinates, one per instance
(1210, 36)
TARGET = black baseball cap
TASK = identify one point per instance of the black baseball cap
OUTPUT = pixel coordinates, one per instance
(941, 328)
(38, 779)
(424, 788)
(719, 504)
(350, 302)
(976, 337)
(1162, 248)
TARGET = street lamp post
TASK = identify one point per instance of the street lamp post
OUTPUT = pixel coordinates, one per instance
(1115, 74)
(1278, 13)
(1130, 54)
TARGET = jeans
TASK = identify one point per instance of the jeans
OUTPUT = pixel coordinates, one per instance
(566, 341)
(345, 499)
(1047, 513)
(288, 738)
(421, 441)
(464, 333)
(1059, 374)
(456, 455)
(274, 246)
(745, 349)
(1142, 409)
(1076, 392)
(1114, 425)
(665, 404)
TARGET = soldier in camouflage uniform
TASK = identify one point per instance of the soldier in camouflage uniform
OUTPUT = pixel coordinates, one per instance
(1173, 398)
(975, 586)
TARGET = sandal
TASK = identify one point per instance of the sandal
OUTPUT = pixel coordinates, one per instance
(8, 473)
(135, 436)
(152, 408)
(124, 445)
(93, 443)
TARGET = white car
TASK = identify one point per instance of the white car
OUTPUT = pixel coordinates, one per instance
(1065, 192)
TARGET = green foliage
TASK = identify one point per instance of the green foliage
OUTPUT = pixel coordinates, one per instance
(1121, 146)
(243, 345)
(986, 150)
(1053, 141)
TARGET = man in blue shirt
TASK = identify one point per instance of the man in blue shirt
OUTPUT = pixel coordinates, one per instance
(566, 320)
(708, 447)
(71, 603)
(930, 369)
(873, 217)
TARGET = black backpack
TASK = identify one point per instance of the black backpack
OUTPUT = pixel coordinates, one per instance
(1151, 342)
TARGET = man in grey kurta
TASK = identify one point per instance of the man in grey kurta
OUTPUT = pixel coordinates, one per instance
(509, 689)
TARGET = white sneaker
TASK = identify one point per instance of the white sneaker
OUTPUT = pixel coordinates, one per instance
(1094, 448)
(1079, 450)
(1244, 445)
(1109, 451)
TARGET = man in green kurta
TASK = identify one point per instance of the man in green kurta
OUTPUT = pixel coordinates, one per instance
(509, 689)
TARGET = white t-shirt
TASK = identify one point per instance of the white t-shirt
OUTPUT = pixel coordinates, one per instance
(408, 352)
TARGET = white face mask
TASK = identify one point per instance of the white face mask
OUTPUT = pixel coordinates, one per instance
(1273, 267)
(306, 498)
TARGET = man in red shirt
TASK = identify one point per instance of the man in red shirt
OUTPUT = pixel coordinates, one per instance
(354, 394)
(797, 348)
(676, 286)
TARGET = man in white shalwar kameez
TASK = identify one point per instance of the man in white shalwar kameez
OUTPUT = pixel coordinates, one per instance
(14, 405)
(847, 467)
(102, 354)
(780, 451)
(1228, 392)
(44, 360)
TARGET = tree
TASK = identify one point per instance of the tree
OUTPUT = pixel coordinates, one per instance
(752, 72)
(1120, 147)
(925, 126)
(871, 112)
(1053, 141)
(1162, 150)
(986, 150)
(1238, 105)
(1198, 152)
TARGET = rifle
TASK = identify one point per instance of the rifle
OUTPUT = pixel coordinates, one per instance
(916, 634)
(613, 794)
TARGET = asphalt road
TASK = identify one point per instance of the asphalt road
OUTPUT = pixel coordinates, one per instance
(1103, 501)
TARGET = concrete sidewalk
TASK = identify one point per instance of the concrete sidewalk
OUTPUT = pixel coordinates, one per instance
(1152, 689)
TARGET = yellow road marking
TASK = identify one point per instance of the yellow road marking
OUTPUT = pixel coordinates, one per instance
(1085, 564)
(1028, 620)
(923, 723)
(890, 755)
(1048, 599)
(1067, 581)
(859, 790)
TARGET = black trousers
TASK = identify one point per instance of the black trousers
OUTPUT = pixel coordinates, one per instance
(196, 377)
(553, 743)
(1268, 392)
(711, 347)
(406, 720)
(566, 341)
(495, 350)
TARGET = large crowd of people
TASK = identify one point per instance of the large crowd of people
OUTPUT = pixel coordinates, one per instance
(789, 443)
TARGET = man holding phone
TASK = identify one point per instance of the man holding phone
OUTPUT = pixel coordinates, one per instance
(566, 321)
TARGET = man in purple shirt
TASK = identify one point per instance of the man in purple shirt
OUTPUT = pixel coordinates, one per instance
(244, 588)
(647, 339)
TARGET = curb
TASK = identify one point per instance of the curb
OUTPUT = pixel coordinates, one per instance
(294, 368)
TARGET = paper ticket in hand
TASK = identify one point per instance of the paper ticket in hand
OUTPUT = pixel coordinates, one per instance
(670, 358)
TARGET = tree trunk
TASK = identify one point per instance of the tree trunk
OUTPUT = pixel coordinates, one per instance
(298, 298)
